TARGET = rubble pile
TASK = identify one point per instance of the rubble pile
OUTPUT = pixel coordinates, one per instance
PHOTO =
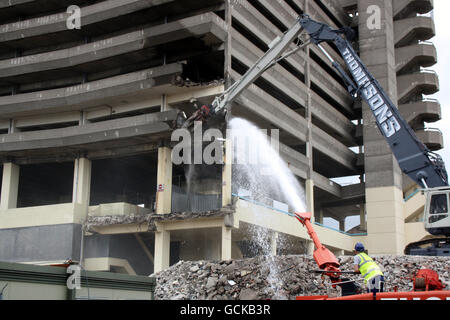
(279, 278)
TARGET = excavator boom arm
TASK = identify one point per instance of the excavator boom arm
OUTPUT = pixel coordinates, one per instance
(422, 166)
(415, 159)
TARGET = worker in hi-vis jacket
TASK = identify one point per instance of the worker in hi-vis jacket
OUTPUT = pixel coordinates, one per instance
(364, 264)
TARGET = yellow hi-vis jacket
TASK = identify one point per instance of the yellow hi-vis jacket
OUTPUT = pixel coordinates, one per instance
(368, 267)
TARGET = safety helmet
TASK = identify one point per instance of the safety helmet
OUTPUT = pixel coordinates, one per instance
(359, 247)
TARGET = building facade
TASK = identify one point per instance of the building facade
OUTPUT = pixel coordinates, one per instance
(90, 95)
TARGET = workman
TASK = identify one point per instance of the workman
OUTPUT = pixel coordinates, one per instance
(364, 264)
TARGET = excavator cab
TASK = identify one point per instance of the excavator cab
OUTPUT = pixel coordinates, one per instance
(437, 215)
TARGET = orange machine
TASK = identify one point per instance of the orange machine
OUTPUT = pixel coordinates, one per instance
(427, 285)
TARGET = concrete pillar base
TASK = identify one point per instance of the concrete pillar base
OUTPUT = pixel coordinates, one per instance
(385, 220)
(162, 251)
(310, 248)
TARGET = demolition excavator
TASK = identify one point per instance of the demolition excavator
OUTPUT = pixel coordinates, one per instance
(424, 167)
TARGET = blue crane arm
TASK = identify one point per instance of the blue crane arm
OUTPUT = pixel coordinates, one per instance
(423, 166)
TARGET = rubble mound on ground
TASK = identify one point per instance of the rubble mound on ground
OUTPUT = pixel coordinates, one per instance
(280, 277)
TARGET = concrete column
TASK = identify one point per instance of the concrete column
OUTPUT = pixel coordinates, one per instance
(384, 200)
(320, 216)
(162, 250)
(226, 243)
(342, 225)
(82, 182)
(164, 181)
(227, 174)
(310, 248)
(10, 186)
(362, 216)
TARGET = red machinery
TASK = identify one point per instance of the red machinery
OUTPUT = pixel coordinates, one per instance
(324, 258)
(427, 285)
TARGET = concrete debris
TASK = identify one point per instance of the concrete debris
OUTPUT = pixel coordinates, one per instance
(279, 278)
(101, 221)
(186, 82)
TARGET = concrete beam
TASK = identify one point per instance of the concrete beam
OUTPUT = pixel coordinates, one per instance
(293, 87)
(109, 48)
(410, 57)
(405, 8)
(289, 17)
(413, 29)
(298, 164)
(89, 136)
(86, 95)
(347, 3)
(433, 139)
(265, 31)
(162, 250)
(328, 146)
(120, 228)
(327, 185)
(420, 112)
(12, 3)
(11, 9)
(57, 214)
(257, 101)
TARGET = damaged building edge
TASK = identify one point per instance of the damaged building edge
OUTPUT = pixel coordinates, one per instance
(149, 222)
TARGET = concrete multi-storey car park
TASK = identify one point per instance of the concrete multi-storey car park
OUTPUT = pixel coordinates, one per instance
(86, 118)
